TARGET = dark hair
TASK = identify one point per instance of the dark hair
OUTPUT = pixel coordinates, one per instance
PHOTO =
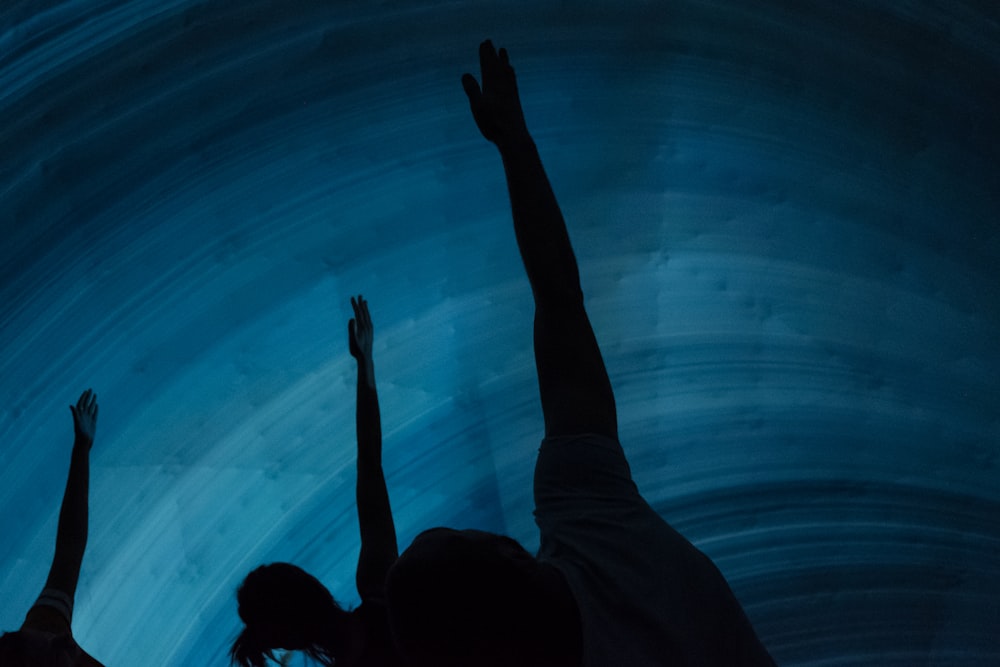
(285, 607)
(461, 601)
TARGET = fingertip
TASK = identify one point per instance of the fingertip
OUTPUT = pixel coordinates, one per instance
(471, 86)
(487, 54)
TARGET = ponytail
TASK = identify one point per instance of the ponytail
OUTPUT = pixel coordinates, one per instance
(249, 651)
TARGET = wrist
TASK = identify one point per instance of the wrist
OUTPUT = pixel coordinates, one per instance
(516, 144)
(366, 371)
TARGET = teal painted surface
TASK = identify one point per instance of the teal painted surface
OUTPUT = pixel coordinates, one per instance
(786, 219)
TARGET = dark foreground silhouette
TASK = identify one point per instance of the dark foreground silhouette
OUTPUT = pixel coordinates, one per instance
(286, 608)
(46, 636)
(612, 584)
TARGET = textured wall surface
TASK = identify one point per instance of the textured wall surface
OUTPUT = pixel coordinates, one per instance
(786, 215)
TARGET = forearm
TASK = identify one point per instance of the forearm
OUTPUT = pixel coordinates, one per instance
(71, 538)
(528, 185)
(538, 223)
(368, 420)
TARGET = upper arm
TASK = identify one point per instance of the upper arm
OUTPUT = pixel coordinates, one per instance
(370, 578)
(586, 467)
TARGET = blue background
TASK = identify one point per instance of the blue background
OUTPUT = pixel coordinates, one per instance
(786, 220)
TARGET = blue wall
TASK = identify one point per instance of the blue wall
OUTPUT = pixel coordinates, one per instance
(786, 220)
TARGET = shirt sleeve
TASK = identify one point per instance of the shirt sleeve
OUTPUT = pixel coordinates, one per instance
(582, 471)
(52, 612)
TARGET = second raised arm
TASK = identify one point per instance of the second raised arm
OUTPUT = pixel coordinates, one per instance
(378, 533)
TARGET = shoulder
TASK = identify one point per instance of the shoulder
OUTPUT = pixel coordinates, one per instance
(379, 648)
(372, 611)
(87, 660)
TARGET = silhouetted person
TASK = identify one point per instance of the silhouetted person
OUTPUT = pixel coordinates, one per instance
(46, 636)
(284, 607)
(612, 585)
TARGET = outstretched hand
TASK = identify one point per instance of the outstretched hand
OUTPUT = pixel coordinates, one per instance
(85, 417)
(359, 331)
(496, 106)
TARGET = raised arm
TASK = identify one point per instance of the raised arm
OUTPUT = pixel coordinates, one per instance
(71, 539)
(575, 391)
(378, 533)
(538, 222)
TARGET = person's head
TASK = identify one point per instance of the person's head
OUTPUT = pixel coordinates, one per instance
(36, 649)
(285, 607)
(470, 597)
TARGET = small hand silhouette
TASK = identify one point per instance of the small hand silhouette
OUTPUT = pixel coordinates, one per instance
(85, 417)
(359, 331)
(496, 107)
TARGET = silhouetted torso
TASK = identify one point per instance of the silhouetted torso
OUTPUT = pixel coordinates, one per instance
(646, 596)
